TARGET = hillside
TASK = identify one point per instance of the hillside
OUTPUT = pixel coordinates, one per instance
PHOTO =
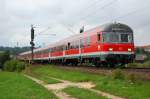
(14, 50)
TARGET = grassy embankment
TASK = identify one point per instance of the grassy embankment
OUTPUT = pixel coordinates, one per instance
(17, 86)
(120, 87)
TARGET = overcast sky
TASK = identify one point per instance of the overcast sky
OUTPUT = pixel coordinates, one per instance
(65, 17)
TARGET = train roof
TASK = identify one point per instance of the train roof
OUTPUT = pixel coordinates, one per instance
(111, 27)
(35, 50)
(117, 27)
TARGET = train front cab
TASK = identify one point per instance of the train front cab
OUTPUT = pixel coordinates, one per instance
(117, 45)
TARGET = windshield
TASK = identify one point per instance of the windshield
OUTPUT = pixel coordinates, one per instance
(115, 37)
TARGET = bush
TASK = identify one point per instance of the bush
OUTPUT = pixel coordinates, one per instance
(10, 65)
(20, 66)
(4, 56)
(14, 65)
(118, 74)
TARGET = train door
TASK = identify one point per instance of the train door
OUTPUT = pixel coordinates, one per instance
(64, 48)
(99, 38)
(80, 46)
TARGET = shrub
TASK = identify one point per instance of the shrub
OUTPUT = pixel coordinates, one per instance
(4, 56)
(118, 74)
(20, 66)
(10, 65)
(14, 65)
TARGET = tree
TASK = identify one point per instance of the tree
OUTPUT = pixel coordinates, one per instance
(15, 50)
(4, 56)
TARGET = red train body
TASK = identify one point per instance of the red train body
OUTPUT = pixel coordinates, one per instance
(107, 44)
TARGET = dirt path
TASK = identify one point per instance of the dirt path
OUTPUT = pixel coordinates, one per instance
(56, 88)
(59, 94)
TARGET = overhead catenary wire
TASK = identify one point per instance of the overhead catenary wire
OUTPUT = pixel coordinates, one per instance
(87, 8)
(43, 30)
(128, 14)
(119, 17)
(92, 13)
(40, 33)
(132, 12)
(101, 7)
(45, 35)
(68, 28)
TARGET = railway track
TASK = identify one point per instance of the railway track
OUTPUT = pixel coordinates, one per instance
(142, 73)
(106, 68)
(138, 69)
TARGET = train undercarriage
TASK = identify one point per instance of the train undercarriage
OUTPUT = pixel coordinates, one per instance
(108, 60)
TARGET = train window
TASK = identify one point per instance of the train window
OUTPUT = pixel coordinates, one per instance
(88, 41)
(124, 37)
(82, 43)
(98, 37)
(130, 38)
(110, 37)
(54, 49)
(57, 49)
(106, 37)
(62, 48)
(114, 37)
(68, 45)
(77, 44)
(72, 45)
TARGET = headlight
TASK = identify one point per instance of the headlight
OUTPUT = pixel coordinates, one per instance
(129, 49)
(110, 49)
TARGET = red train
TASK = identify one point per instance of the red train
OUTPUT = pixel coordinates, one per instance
(108, 44)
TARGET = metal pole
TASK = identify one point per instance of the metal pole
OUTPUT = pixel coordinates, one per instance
(32, 54)
(32, 43)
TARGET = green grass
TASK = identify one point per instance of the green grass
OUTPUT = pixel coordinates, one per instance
(80, 93)
(46, 79)
(17, 86)
(71, 75)
(138, 90)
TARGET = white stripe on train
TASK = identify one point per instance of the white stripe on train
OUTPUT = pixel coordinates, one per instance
(85, 54)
